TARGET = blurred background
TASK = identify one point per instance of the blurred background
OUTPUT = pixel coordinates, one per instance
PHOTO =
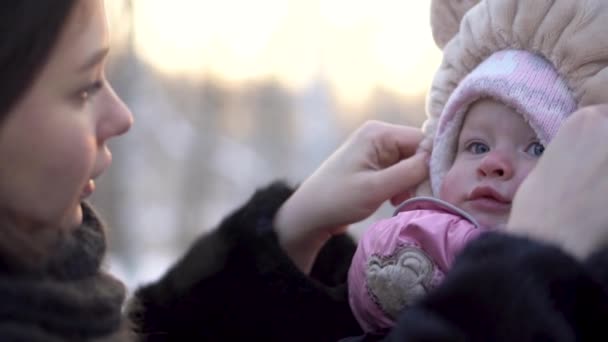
(230, 95)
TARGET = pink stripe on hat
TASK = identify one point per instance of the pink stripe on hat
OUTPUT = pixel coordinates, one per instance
(520, 79)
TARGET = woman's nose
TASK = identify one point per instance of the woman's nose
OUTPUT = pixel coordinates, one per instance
(116, 118)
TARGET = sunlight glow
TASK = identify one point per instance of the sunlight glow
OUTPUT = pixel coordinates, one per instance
(356, 45)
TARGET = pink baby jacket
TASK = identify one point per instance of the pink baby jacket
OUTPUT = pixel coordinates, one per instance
(401, 258)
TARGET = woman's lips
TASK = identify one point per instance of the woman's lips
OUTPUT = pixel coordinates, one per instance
(88, 189)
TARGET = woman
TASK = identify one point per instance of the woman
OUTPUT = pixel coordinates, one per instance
(57, 113)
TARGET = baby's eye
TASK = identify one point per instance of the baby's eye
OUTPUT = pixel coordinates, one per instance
(535, 149)
(478, 148)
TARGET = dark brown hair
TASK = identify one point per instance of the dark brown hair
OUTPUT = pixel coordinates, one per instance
(29, 29)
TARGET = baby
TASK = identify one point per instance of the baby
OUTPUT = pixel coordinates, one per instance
(490, 135)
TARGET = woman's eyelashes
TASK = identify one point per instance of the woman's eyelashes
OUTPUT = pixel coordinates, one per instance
(88, 91)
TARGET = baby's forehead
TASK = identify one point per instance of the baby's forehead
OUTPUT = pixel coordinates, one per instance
(494, 116)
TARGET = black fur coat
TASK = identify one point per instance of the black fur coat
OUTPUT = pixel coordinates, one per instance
(237, 284)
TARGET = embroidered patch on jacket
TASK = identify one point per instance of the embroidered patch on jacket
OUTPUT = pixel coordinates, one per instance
(396, 281)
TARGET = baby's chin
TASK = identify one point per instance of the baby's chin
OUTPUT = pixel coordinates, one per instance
(491, 222)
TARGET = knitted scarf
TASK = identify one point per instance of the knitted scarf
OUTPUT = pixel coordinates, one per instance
(59, 292)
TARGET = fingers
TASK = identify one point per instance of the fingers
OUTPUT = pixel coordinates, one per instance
(601, 110)
(580, 133)
(403, 139)
(391, 138)
(403, 176)
(587, 115)
(402, 197)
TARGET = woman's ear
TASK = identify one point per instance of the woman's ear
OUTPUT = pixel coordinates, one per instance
(446, 16)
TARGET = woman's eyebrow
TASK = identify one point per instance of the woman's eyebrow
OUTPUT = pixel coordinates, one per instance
(94, 60)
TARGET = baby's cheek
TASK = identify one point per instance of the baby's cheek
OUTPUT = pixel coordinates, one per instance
(449, 187)
(525, 172)
(443, 193)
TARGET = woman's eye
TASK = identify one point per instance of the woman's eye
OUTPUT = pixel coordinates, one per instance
(477, 148)
(535, 149)
(90, 90)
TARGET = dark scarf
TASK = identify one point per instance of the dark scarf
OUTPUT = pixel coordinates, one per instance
(56, 290)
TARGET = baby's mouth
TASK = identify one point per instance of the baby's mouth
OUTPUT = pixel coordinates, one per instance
(489, 200)
(488, 193)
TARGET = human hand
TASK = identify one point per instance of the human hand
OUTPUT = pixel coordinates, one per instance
(562, 201)
(377, 163)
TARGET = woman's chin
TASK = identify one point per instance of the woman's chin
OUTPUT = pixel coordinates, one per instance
(73, 219)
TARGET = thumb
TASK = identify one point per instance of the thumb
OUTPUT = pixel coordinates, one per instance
(403, 176)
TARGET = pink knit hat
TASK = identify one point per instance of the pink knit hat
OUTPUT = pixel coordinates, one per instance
(520, 79)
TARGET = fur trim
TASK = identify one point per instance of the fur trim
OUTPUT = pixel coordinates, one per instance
(569, 34)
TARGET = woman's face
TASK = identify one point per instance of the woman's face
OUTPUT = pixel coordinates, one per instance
(53, 143)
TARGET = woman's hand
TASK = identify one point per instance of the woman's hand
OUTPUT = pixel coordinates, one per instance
(564, 200)
(378, 162)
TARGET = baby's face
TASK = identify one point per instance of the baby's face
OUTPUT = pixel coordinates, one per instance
(496, 151)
